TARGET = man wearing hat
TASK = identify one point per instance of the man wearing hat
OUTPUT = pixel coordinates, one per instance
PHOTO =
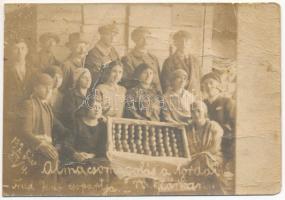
(45, 56)
(77, 43)
(139, 55)
(222, 110)
(103, 51)
(181, 59)
(37, 124)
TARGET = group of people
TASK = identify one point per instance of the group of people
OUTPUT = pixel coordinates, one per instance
(60, 109)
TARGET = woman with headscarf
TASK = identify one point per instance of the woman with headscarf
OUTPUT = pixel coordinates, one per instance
(204, 138)
(75, 98)
(112, 94)
(144, 101)
(178, 100)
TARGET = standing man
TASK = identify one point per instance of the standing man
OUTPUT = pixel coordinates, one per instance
(17, 76)
(140, 55)
(103, 51)
(16, 88)
(77, 44)
(181, 59)
(45, 57)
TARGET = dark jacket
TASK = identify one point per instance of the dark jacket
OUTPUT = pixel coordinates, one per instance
(133, 60)
(36, 124)
(72, 101)
(15, 89)
(223, 111)
(36, 120)
(96, 58)
(188, 64)
(43, 59)
(85, 138)
(68, 68)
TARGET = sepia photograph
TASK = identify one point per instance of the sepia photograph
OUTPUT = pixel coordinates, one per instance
(141, 99)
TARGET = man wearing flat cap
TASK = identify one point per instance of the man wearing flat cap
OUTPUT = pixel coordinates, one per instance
(222, 110)
(103, 51)
(140, 55)
(181, 59)
(77, 43)
(45, 56)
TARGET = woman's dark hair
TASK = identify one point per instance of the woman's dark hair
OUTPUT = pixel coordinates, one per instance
(140, 69)
(89, 103)
(108, 69)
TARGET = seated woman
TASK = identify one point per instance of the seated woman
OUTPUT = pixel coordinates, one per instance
(204, 135)
(75, 98)
(178, 100)
(144, 101)
(86, 146)
(222, 110)
(113, 95)
(204, 139)
(89, 136)
(36, 128)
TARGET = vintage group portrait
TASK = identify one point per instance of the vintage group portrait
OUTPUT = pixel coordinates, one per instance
(141, 99)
